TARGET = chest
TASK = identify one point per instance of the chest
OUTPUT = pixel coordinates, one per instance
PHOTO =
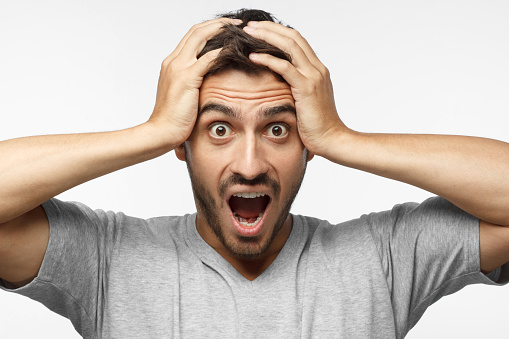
(313, 296)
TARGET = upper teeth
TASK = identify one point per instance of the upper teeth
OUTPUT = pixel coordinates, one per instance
(249, 195)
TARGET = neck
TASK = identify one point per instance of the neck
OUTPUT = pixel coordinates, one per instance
(253, 267)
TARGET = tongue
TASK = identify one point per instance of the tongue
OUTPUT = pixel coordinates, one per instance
(248, 207)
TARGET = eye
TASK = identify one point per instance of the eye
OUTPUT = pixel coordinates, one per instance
(277, 130)
(220, 130)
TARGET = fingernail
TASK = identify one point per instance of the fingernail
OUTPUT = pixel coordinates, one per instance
(253, 56)
(237, 21)
(249, 29)
(253, 23)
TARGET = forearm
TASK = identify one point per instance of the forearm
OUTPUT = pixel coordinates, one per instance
(471, 172)
(35, 169)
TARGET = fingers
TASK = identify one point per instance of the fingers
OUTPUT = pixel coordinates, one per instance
(196, 38)
(203, 64)
(215, 22)
(285, 43)
(271, 31)
(200, 35)
(280, 66)
(287, 39)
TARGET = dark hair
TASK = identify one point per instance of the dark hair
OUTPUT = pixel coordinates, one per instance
(237, 45)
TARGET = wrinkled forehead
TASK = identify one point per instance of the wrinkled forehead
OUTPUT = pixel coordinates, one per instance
(244, 91)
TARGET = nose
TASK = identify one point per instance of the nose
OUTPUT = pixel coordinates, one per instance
(250, 158)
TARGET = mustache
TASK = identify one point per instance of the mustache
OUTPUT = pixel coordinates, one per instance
(261, 179)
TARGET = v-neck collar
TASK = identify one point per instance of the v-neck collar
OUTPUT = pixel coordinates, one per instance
(210, 257)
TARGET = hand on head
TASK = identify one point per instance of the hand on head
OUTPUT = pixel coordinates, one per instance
(180, 79)
(183, 71)
(308, 78)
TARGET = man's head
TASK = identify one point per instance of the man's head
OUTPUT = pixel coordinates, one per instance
(245, 157)
(237, 45)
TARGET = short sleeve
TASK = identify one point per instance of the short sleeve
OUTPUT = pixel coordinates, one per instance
(72, 280)
(428, 251)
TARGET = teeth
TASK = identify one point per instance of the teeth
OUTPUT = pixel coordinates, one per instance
(249, 195)
(244, 222)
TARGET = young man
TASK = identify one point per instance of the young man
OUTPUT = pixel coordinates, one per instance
(246, 106)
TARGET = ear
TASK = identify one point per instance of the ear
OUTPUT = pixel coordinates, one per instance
(180, 152)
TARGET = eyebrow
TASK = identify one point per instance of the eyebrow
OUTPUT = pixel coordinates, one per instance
(232, 113)
(268, 112)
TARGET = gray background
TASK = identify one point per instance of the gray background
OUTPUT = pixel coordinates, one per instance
(397, 66)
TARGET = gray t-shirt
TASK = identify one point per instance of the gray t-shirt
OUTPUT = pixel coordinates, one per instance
(116, 276)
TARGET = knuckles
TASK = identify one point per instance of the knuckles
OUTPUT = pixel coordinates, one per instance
(165, 63)
(286, 66)
(316, 80)
(294, 34)
(198, 31)
(195, 27)
(326, 72)
(172, 65)
(291, 44)
(317, 76)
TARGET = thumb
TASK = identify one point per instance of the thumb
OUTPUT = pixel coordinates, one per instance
(205, 63)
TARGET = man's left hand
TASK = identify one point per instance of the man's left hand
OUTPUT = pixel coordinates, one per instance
(317, 118)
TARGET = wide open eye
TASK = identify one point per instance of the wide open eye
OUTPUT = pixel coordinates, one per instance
(220, 130)
(277, 130)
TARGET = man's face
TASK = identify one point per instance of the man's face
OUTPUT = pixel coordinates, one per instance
(246, 163)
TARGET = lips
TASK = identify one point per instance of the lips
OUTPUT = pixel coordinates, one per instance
(247, 211)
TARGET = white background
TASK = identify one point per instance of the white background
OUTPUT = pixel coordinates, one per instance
(397, 66)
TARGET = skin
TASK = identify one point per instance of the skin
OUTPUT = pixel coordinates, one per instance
(470, 172)
(35, 169)
(249, 149)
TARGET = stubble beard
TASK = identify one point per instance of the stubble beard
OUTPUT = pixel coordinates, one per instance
(241, 247)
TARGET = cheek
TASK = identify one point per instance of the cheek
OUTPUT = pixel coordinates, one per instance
(207, 162)
(291, 163)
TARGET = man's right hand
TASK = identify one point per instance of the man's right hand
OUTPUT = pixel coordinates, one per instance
(176, 107)
(35, 169)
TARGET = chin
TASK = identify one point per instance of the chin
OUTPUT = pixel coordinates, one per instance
(253, 246)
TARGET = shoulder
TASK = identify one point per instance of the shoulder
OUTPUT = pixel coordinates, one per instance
(405, 220)
(340, 239)
(70, 215)
(433, 214)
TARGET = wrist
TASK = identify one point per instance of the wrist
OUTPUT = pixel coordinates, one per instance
(156, 138)
(334, 143)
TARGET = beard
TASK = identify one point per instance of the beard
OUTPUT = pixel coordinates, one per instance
(241, 247)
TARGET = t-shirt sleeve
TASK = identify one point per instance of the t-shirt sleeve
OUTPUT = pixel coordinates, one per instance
(72, 280)
(428, 251)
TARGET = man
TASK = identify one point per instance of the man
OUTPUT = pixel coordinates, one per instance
(246, 117)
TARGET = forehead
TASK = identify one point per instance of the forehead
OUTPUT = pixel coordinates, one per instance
(243, 91)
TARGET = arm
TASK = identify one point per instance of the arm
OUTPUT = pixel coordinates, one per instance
(35, 169)
(470, 172)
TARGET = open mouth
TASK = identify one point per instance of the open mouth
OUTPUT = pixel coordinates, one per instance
(248, 208)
